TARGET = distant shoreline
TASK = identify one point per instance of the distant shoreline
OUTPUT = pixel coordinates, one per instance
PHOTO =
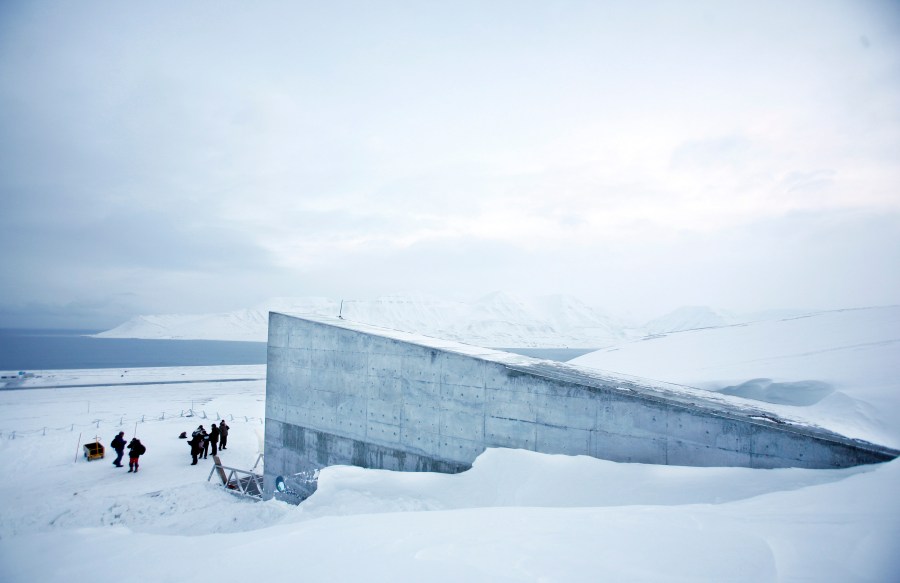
(22, 350)
(57, 349)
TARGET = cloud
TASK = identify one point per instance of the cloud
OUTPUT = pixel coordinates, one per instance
(802, 260)
(44, 233)
(236, 152)
(725, 151)
(93, 314)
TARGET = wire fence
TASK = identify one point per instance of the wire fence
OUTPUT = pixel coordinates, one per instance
(126, 421)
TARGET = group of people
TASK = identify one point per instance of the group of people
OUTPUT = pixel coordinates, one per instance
(201, 441)
(135, 450)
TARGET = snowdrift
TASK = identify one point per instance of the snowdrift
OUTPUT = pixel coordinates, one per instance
(837, 369)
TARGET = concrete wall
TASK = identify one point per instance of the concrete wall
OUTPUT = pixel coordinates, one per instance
(343, 393)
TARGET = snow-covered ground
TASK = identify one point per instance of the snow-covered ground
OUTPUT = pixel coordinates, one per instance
(694, 317)
(837, 369)
(515, 516)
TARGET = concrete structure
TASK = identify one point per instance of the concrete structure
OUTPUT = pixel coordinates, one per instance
(345, 393)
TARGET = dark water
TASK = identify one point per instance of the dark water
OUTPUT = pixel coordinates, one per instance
(61, 349)
(24, 350)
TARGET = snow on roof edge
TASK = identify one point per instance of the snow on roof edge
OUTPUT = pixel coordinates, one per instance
(728, 406)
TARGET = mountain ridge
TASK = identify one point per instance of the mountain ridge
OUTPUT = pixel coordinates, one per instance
(498, 319)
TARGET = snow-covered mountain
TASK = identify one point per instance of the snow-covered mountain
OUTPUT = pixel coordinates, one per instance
(249, 324)
(498, 319)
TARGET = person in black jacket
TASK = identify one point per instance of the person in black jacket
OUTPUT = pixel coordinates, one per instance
(205, 443)
(135, 450)
(196, 444)
(214, 438)
(223, 435)
(118, 444)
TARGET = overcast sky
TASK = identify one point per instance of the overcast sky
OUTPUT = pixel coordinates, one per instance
(190, 157)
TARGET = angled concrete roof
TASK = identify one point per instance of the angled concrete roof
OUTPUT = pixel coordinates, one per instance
(726, 406)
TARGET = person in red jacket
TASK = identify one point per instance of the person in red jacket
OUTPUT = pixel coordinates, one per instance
(135, 450)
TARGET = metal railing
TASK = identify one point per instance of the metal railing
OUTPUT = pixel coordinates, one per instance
(237, 481)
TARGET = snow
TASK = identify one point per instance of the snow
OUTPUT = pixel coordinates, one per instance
(838, 369)
(515, 516)
(695, 317)
(498, 319)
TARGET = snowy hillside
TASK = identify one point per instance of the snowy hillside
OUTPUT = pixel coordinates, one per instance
(249, 325)
(839, 369)
(498, 320)
(696, 317)
(688, 318)
(515, 516)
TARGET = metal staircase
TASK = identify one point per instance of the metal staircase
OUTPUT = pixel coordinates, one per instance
(237, 481)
